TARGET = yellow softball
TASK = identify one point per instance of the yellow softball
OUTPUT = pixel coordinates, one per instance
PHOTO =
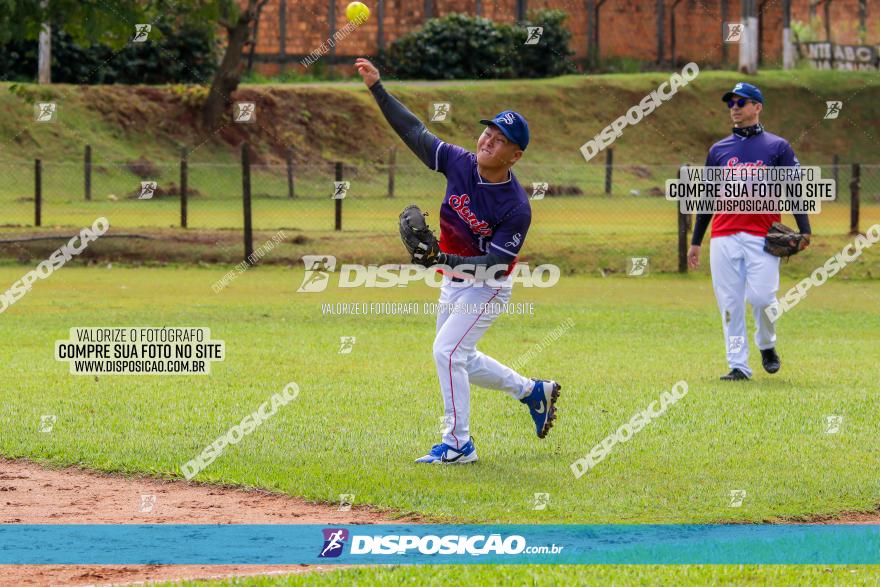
(357, 12)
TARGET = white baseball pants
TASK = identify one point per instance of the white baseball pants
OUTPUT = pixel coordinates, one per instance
(741, 271)
(458, 361)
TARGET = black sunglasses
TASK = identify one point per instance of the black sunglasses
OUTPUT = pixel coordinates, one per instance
(741, 102)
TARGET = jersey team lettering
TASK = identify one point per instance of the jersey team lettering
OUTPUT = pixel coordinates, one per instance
(461, 206)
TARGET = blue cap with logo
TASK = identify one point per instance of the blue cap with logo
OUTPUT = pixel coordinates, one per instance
(513, 125)
(746, 91)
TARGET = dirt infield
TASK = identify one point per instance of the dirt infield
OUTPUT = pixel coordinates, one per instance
(33, 494)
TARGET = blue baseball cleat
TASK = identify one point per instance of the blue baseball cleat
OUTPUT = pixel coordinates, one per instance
(542, 405)
(444, 454)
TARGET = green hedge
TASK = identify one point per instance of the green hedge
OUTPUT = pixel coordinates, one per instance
(464, 47)
(186, 54)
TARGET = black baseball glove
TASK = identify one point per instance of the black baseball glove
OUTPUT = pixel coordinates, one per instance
(783, 241)
(423, 247)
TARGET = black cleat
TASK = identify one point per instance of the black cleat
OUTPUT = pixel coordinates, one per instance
(770, 360)
(735, 375)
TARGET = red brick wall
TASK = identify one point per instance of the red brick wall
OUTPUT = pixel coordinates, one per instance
(627, 28)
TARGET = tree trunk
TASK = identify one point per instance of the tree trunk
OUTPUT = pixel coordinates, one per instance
(228, 75)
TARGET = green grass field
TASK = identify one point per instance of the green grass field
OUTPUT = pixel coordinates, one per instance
(633, 338)
(571, 575)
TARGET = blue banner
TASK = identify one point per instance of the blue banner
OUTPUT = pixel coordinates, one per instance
(286, 544)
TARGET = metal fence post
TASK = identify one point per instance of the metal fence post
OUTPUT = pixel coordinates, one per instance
(392, 162)
(38, 192)
(609, 167)
(854, 186)
(184, 180)
(87, 171)
(246, 196)
(338, 200)
(290, 187)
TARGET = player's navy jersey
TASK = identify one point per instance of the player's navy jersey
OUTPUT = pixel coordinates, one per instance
(761, 150)
(477, 217)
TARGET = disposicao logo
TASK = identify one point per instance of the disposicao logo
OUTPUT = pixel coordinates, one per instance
(451, 544)
(318, 269)
(334, 541)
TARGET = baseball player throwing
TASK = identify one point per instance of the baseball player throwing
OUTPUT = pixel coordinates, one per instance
(741, 269)
(484, 219)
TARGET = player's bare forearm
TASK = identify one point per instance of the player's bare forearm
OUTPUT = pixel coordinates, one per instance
(693, 256)
(407, 126)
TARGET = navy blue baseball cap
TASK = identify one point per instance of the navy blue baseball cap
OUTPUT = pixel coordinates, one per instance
(746, 91)
(513, 125)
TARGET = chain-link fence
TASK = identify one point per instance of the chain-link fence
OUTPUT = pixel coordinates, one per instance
(605, 209)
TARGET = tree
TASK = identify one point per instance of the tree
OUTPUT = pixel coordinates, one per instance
(87, 21)
(113, 24)
(98, 25)
(241, 32)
